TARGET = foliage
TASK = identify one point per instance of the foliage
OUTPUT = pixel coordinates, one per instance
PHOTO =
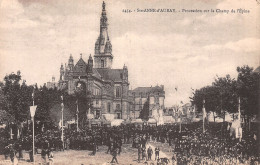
(223, 94)
(144, 113)
(17, 97)
(248, 83)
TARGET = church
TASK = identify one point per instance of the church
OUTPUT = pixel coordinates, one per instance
(108, 87)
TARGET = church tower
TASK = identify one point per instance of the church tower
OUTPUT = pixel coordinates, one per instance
(103, 57)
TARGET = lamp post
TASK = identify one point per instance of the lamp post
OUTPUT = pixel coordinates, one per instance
(62, 135)
(32, 111)
(134, 106)
(77, 113)
(204, 115)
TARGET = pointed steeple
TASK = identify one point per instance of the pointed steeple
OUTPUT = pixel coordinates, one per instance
(125, 73)
(71, 63)
(61, 72)
(90, 64)
(103, 48)
(103, 19)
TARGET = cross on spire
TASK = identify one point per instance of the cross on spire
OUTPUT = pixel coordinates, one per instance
(103, 5)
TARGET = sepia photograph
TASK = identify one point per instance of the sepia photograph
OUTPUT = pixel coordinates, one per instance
(130, 82)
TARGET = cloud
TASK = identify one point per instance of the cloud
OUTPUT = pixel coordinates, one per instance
(246, 45)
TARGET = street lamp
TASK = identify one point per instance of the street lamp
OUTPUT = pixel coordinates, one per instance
(62, 134)
(32, 111)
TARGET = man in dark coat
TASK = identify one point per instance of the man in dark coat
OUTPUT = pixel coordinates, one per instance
(109, 144)
(157, 151)
(149, 152)
(139, 152)
(114, 154)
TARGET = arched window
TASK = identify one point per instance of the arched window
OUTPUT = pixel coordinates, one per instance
(108, 107)
(118, 94)
(117, 107)
(102, 64)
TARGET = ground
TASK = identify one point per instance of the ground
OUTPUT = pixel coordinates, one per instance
(78, 157)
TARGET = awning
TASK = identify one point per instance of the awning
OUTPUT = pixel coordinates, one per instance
(168, 119)
(152, 121)
(116, 122)
(137, 121)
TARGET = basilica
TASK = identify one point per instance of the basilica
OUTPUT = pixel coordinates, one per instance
(109, 88)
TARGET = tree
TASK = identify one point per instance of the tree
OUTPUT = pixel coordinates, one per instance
(224, 92)
(219, 97)
(247, 85)
(18, 97)
(227, 93)
(144, 114)
(212, 98)
(5, 117)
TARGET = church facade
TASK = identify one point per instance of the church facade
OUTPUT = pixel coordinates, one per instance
(108, 87)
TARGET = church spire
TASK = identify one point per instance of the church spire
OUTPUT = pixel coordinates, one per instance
(103, 19)
(103, 57)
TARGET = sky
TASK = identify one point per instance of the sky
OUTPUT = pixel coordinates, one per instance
(182, 49)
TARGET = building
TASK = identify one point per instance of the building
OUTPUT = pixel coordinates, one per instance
(108, 87)
(140, 96)
(52, 84)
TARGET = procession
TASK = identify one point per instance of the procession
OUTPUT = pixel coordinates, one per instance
(102, 82)
(188, 146)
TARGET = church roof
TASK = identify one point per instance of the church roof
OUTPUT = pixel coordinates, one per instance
(110, 74)
(81, 66)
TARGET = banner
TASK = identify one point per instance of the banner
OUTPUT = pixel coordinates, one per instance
(32, 110)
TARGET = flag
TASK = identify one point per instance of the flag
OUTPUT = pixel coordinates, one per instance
(43, 127)
(60, 123)
(228, 127)
(204, 115)
(32, 110)
(204, 112)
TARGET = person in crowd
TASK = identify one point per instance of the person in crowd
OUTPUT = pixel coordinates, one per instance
(149, 152)
(114, 154)
(191, 144)
(109, 145)
(119, 144)
(157, 151)
(139, 150)
(144, 154)
(94, 148)
(51, 158)
(20, 149)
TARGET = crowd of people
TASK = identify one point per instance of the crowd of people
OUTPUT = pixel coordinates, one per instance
(189, 144)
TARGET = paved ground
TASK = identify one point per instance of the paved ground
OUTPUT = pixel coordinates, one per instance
(78, 157)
